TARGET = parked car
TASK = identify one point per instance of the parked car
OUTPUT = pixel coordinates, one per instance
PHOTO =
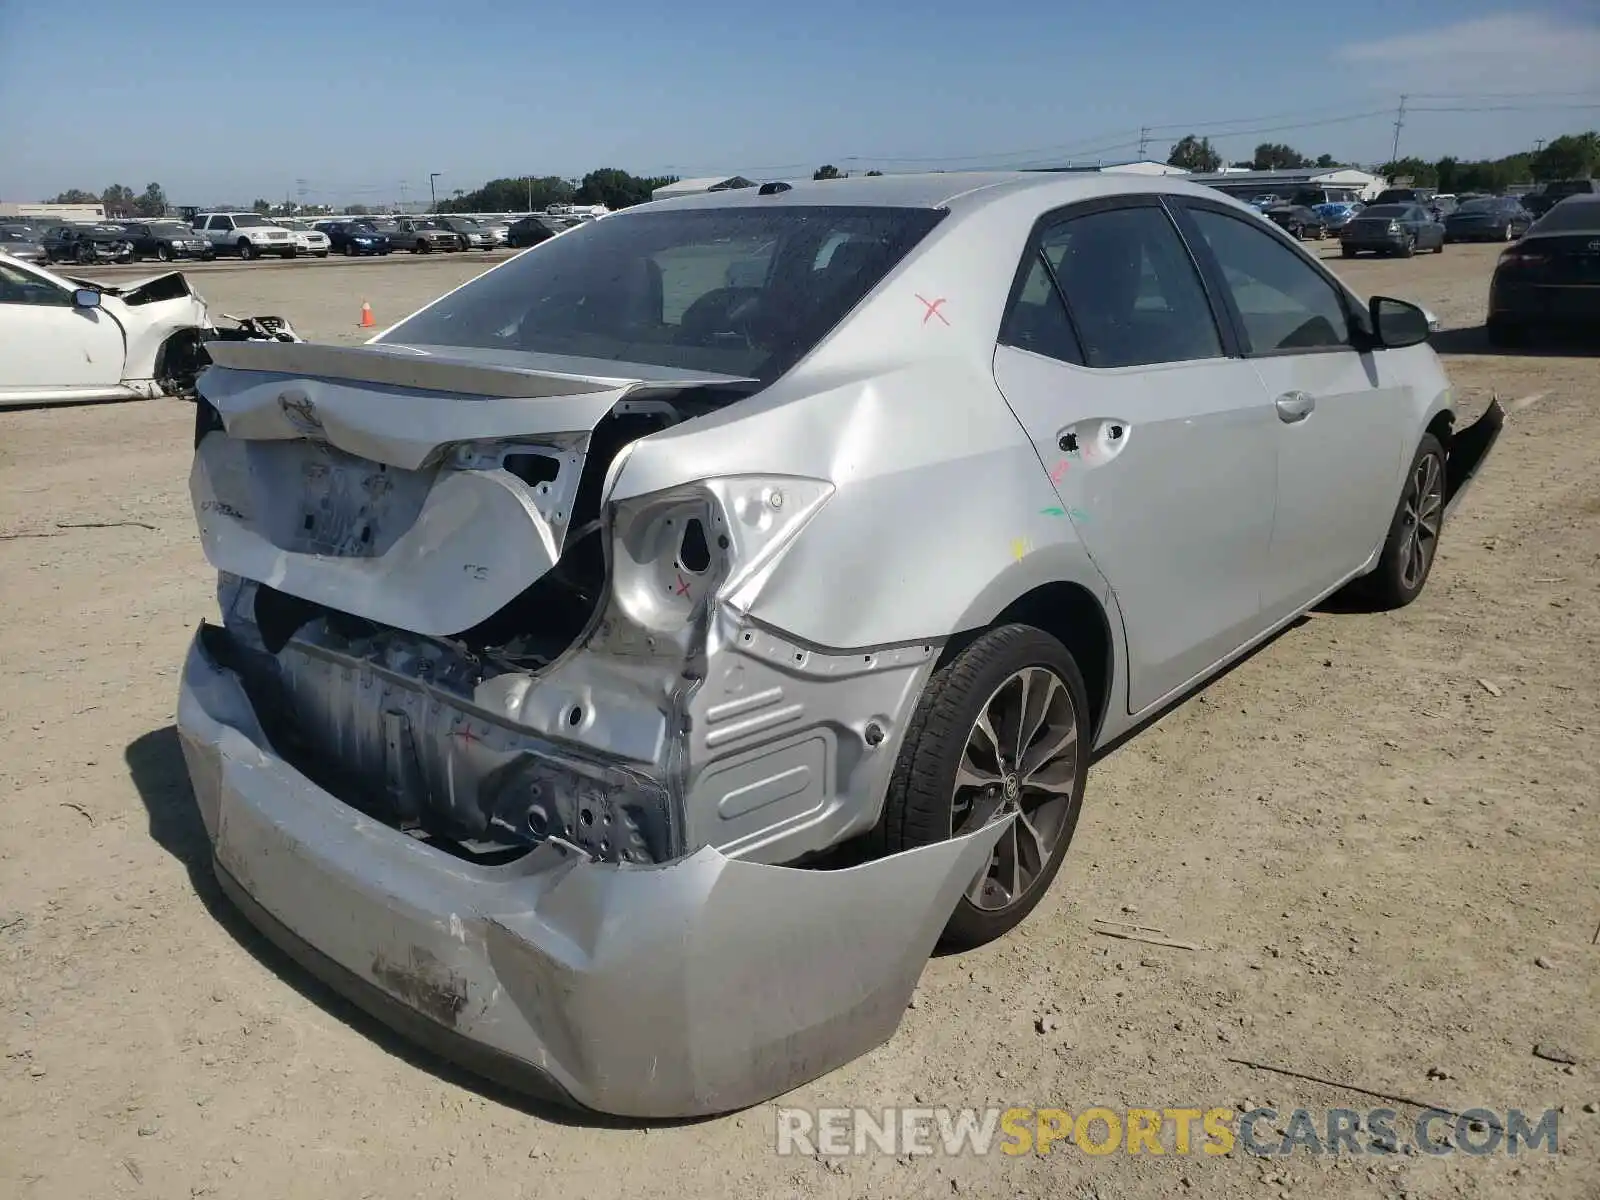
(1541, 202)
(423, 235)
(249, 235)
(1551, 278)
(166, 240)
(498, 228)
(1401, 229)
(70, 340)
(522, 750)
(23, 243)
(1404, 195)
(308, 239)
(1487, 219)
(473, 235)
(86, 244)
(1298, 220)
(354, 237)
(1441, 205)
(1336, 214)
(533, 229)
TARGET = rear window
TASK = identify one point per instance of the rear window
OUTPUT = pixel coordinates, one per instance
(1476, 206)
(1570, 216)
(733, 291)
(1387, 210)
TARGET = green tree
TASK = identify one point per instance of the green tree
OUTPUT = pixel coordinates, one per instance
(1447, 174)
(75, 196)
(357, 210)
(1326, 160)
(1420, 172)
(828, 172)
(152, 202)
(262, 206)
(1570, 156)
(118, 201)
(615, 188)
(1275, 156)
(874, 172)
(1194, 154)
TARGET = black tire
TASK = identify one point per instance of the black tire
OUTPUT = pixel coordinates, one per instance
(164, 252)
(1408, 247)
(349, 249)
(321, 253)
(247, 250)
(1395, 582)
(1347, 251)
(1505, 333)
(919, 807)
(1507, 236)
(422, 246)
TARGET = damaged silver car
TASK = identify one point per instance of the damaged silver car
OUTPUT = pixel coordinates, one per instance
(634, 662)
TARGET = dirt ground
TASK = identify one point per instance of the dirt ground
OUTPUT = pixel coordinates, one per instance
(1381, 831)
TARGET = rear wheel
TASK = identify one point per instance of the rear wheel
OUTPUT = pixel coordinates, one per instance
(1347, 251)
(349, 249)
(1002, 728)
(1413, 540)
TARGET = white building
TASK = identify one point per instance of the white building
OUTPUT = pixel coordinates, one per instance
(707, 183)
(1339, 182)
(64, 212)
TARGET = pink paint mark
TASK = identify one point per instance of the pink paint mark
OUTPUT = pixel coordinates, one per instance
(1059, 471)
(466, 735)
(683, 584)
(933, 309)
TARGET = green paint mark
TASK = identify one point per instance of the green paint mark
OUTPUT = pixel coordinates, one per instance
(1054, 512)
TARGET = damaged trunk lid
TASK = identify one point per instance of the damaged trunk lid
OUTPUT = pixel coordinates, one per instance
(419, 490)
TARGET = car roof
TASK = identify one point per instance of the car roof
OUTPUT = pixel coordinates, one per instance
(945, 189)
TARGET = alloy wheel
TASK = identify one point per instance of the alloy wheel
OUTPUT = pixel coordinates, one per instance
(1021, 757)
(1424, 510)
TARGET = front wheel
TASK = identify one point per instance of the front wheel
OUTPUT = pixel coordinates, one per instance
(1408, 247)
(1002, 728)
(164, 252)
(247, 250)
(1413, 540)
(1347, 251)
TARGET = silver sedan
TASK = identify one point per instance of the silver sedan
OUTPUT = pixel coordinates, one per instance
(634, 662)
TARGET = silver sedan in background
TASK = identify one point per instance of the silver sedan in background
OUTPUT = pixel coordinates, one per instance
(634, 662)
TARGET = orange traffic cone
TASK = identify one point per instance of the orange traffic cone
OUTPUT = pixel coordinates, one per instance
(366, 316)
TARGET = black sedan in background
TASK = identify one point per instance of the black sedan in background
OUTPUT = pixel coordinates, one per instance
(531, 230)
(1488, 219)
(355, 237)
(166, 240)
(1298, 220)
(1401, 229)
(1550, 280)
(85, 244)
(23, 242)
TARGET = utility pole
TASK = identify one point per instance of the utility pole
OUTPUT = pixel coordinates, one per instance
(402, 195)
(1538, 145)
(434, 196)
(1399, 123)
(1144, 139)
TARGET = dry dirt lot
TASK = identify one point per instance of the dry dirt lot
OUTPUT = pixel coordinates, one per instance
(1381, 830)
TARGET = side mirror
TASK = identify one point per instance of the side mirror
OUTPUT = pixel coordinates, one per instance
(86, 298)
(1398, 324)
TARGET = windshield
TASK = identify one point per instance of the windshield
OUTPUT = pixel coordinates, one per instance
(1387, 210)
(734, 291)
(248, 221)
(170, 229)
(1477, 206)
(1571, 216)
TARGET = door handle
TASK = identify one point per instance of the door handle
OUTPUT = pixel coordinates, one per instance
(1294, 406)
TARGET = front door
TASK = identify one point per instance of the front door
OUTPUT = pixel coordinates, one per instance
(1160, 445)
(1338, 421)
(50, 344)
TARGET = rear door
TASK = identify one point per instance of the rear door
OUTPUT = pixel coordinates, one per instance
(1339, 415)
(1160, 441)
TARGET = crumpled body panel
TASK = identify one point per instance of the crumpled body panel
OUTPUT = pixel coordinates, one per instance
(693, 987)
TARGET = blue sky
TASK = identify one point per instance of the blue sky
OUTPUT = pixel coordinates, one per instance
(230, 101)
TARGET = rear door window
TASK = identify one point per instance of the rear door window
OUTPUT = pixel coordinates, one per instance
(1133, 292)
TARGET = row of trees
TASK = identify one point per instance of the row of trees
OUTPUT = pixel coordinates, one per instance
(120, 201)
(611, 186)
(1571, 156)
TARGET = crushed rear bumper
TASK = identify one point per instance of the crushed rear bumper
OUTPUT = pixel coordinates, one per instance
(1468, 448)
(694, 987)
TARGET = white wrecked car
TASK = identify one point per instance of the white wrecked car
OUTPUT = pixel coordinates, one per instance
(70, 340)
